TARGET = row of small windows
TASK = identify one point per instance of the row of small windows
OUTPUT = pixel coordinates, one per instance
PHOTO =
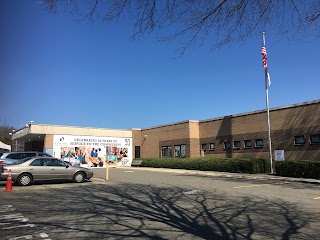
(180, 150)
(313, 139)
(298, 140)
(236, 145)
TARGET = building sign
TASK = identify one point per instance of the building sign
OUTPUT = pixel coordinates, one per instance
(93, 151)
(279, 155)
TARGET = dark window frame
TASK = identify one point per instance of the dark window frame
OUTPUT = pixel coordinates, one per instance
(182, 151)
(258, 145)
(204, 147)
(297, 143)
(225, 145)
(245, 144)
(177, 151)
(169, 151)
(236, 147)
(212, 148)
(312, 137)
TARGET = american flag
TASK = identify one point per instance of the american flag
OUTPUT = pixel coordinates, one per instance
(264, 57)
(265, 65)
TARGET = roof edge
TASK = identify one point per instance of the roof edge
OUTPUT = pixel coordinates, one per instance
(263, 111)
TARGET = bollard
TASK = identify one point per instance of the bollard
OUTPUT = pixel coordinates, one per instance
(107, 172)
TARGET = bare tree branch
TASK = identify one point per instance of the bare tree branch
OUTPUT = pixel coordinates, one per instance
(195, 22)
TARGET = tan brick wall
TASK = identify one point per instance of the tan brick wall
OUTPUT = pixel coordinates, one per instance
(167, 135)
(194, 139)
(285, 125)
(296, 117)
(48, 141)
(136, 140)
(285, 122)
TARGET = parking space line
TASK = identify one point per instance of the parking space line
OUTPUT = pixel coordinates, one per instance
(316, 198)
(12, 220)
(248, 186)
(22, 237)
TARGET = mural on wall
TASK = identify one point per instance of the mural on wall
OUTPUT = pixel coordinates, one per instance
(93, 151)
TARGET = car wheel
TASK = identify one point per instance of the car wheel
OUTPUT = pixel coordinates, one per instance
(78, 177)
(24, 179)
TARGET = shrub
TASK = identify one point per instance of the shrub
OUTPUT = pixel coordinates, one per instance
(299, 169)
(235, 165)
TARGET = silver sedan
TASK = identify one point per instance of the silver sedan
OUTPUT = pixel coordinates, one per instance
(44, 168)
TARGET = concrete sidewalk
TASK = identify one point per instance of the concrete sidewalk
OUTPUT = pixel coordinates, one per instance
(101, 174)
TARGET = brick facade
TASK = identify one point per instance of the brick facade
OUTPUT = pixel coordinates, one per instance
(190, 136)
(286, 123)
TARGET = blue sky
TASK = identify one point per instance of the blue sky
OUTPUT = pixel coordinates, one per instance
(56, 70)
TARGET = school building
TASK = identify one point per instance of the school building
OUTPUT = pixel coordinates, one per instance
(295, 131)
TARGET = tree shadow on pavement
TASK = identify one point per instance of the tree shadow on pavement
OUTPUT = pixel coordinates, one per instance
(137, 211)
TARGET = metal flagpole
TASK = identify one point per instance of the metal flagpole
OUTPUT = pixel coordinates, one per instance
(267, 82)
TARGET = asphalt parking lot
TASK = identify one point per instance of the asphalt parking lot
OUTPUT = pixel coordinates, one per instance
(162, 204)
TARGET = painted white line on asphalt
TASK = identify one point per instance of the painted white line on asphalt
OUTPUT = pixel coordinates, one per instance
(6, 208)
(20, 226)
(255, 185)
(128, 171)
(283, 183)
(12, 216)
(317, 198)
(22, 237)
(4, 223)
(14, 219)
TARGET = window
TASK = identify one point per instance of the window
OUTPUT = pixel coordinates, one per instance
(180, 151)
(37, 162)
(315, 139)
(247, 143)
(167, 152)
(15, 156)
(259, 143)
(177, 151)
(183, 151)
(298, 140)
(204, 147)
(30, 155)
(236, 145)
(44, 155)
(227, 145)
(55, 163)
(212, 147)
